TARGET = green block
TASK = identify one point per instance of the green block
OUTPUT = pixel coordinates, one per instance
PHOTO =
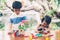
(39, 35)
(21, 27)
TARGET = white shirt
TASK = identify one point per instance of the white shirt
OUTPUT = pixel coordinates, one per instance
(16, 20)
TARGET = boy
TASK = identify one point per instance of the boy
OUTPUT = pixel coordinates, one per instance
(17, 17)
(44, 28)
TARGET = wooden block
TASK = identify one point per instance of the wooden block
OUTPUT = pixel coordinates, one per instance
(47, 38)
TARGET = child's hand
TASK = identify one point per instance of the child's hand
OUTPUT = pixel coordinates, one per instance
(24, 21)
(48, 35)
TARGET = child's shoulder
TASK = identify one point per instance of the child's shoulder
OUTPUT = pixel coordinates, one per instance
(22, 14)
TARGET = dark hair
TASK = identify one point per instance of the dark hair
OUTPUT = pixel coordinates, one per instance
(17, 5)
(47, 19)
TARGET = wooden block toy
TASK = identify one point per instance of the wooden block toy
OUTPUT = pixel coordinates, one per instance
(39, 35)
(46, 38)
(30, 37)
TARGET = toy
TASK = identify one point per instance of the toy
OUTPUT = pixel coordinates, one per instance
(30, 37)
(46, 38)
(17, 33)
(14, 34)
(21, 27)
(26, 23)
(39, 35)
(33, 36)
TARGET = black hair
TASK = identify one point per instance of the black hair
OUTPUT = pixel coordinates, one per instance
(47, 19)
(16, 5)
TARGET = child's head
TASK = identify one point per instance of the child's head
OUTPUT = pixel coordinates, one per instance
(16, 6)
(46, 20)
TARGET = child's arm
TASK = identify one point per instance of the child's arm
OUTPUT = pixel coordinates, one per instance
(10, 29)
(10, 26)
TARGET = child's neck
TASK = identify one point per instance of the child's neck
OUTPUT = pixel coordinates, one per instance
(17, 13)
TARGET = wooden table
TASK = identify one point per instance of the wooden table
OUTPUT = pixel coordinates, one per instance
(40, 38)
(19, 38)
(16, 38)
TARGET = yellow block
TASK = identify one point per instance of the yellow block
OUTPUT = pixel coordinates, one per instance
(47, 38)
(30, 37)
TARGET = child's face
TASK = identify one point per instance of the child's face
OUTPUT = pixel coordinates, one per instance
(44, 23)
(17, 11)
